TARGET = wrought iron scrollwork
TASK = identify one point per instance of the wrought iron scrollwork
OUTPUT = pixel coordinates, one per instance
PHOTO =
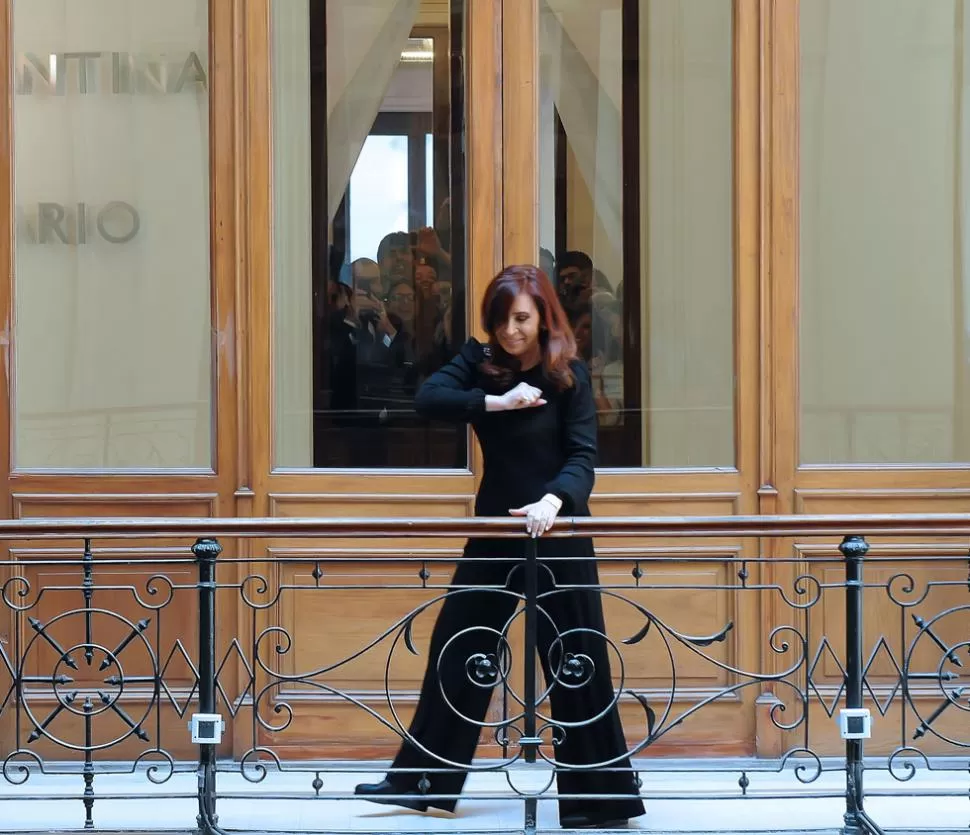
(111, 664)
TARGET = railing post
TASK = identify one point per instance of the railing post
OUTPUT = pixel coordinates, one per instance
(206, 552)
(530, 742)
(856, 821)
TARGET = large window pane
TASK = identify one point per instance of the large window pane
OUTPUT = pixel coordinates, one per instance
(111, 150)
(369, 271)
(636, 203)
(883, 214)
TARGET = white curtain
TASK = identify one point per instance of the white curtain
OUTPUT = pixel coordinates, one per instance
(580, 42)
(365, 39)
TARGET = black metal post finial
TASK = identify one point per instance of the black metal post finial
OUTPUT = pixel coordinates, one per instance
(854, 547)
(206, 549)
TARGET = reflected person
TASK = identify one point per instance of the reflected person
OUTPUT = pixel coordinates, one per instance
(395, 258)
(575, 283)
(372, 364)
(528, 397)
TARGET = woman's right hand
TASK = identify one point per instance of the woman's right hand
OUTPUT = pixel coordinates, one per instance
(523, 396)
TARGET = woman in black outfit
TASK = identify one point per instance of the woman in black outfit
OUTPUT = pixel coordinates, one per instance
(530, 402)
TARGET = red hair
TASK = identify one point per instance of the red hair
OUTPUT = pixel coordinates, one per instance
(556, 340)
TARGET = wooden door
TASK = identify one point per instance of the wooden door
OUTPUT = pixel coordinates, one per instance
(507, 205)
(868, 393)
(119, 241)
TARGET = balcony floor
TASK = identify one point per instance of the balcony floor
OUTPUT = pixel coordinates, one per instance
(284, 803)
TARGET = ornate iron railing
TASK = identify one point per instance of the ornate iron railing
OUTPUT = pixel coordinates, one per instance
(79, 627)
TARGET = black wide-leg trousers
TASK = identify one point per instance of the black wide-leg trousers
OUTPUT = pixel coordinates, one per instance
(456, 690)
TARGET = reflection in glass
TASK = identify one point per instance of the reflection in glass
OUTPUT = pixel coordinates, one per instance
(111, 156)
(636, 207)
(883, 279)
(363, 99)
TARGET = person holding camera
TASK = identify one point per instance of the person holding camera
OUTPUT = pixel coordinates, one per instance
(373, 372)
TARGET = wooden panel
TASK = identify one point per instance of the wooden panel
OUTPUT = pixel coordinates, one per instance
(484, 73)
(886, 736)
(750, 267)
(226, 109)
(693, 737)
(254, 202)
(343, 505)
(336, 729)
(109, 505)
(665, 504)
(902, 500)
(778, 298)
(125, 596)
(780, 277)
(335, 622)
(364, 505)
(699, 503)
(520, 73)
(680, 611)
(347, 731)
(109, 727)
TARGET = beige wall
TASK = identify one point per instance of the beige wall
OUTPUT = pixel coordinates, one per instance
(113, 340)
(882, 149)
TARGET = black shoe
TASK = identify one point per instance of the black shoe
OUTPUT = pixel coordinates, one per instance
(378, 793)
(580, 821)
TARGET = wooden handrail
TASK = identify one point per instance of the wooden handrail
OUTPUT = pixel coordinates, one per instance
(936, 524)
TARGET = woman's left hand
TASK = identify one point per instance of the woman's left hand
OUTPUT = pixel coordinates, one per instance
(540, 515)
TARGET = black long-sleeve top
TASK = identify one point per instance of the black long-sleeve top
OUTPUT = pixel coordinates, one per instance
(528, 452)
